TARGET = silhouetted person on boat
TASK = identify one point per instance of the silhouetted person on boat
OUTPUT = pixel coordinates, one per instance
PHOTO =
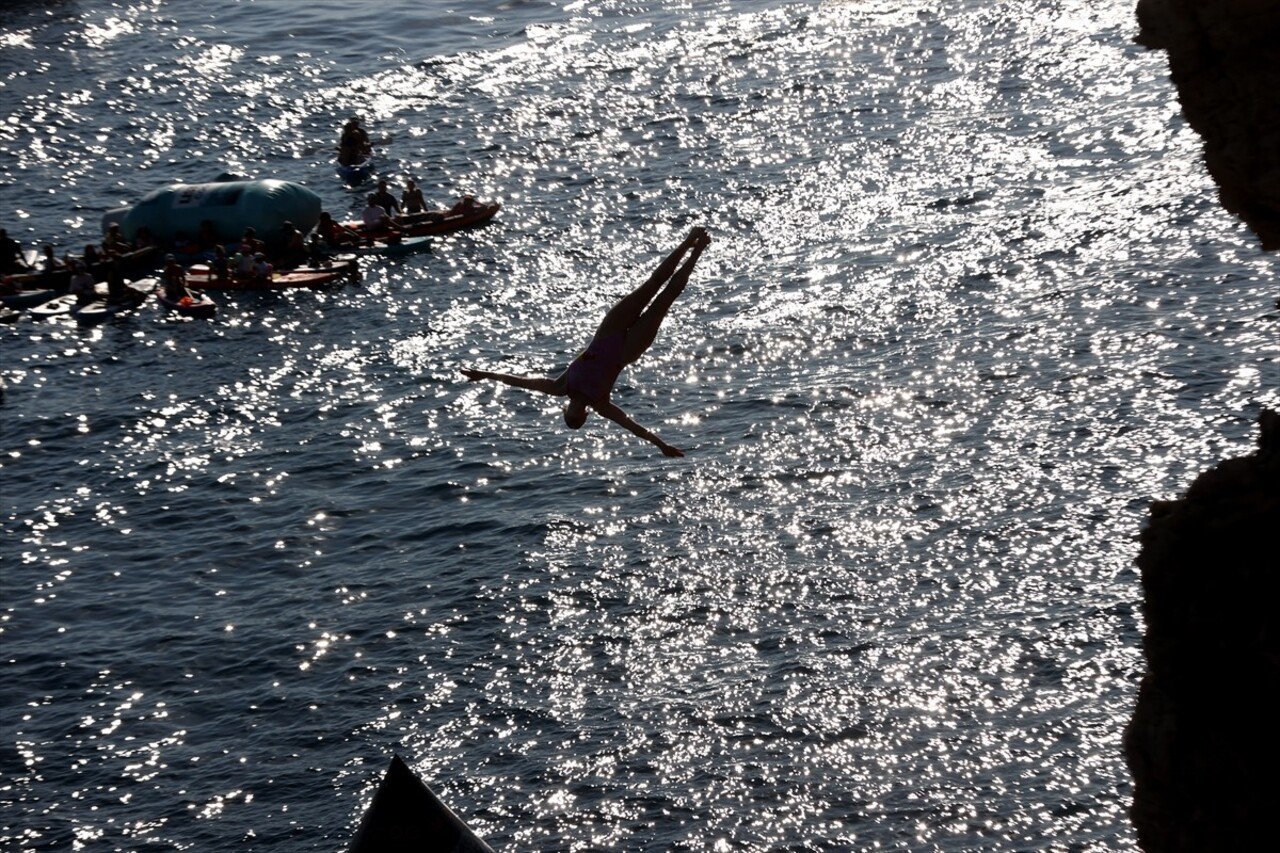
(354, 146)
(334, 233)
(293, 250)
(114, 243)
(11, 257)
(52, 265)
(81, 284)
(627, 330)
(117, 290)
(376, 220)
(173, 279)
(463, 206)
(412, 201)
(385, 200)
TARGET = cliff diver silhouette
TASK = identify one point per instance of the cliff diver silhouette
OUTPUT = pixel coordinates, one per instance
(627, 330)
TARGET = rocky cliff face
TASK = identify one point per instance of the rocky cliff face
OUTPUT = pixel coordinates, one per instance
(1204, 742)
(1224, 58)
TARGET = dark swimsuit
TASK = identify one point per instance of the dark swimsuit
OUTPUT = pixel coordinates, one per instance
(593, 373)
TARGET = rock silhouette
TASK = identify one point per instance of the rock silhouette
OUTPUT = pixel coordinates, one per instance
(1224, 58)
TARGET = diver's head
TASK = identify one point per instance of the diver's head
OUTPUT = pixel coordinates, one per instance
(575, 414)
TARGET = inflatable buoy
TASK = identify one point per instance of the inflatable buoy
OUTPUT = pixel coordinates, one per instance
(180, 210)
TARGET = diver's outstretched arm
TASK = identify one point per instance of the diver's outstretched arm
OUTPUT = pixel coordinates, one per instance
(613, 413)
(668, 266)
(529, 383)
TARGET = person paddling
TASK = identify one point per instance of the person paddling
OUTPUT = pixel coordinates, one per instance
(354, 146)
(625, 333)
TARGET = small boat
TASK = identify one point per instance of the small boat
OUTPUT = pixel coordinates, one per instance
(197, 305)
(305, 278)
(355, 174)
(389, 246)
(314, 276)
(406, 816)
(435, 222)
(101, 310)
(344, 264)
(446, 221)
(27, 298)
(9, 315)
(60, 305)
(137, 262)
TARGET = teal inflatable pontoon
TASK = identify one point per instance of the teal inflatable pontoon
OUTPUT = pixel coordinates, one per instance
(180, 210)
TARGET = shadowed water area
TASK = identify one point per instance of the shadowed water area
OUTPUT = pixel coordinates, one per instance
(971, 305)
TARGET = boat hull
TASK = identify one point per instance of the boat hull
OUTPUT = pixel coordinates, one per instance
(27, 298)
(199, 306)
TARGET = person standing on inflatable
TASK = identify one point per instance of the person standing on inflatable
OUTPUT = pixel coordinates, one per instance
(625, 333)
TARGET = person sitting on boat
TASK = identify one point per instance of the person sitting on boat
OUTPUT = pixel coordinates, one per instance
(174, 280)
(50, 263)
(92, 257)
(242, 266)
(375, 218)
(143, 239)
(261, 269)
(11, 258)
(625, 333)
(386, 200)
(81, 285)
(354, 146)
(219, 266)
(466, 204)
(333, 232)
(117, 292)
(294, 249)
(250, 244)
(114, 243)
(315, 249)
(411, 200)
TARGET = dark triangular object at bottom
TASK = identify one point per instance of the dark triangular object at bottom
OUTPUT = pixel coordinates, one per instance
(407, 817)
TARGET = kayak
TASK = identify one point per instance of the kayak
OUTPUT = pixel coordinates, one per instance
(61, 305)
(406, 815)
(305, 278)
(102, 310)
(357, 173)
(27, 298)
(392, 247)
(344, 265)
(199, 305)
(131, 263)
(298, 277)
(434, 222)
(444, 222)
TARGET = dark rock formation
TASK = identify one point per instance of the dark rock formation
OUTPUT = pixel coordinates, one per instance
(406, 816)
(1224, 58)
(1204, 742)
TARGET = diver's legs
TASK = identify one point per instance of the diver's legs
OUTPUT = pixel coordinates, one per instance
(643, 332)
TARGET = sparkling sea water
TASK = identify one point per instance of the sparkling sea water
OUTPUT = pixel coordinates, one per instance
(971, 306)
